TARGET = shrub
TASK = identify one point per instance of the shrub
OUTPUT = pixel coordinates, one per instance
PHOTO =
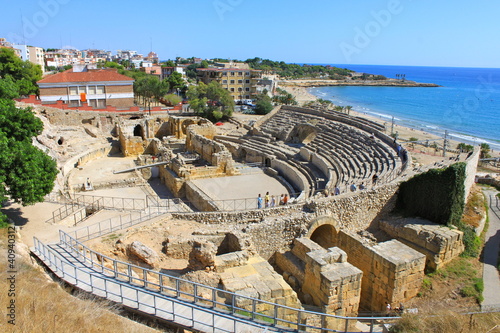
(172, 99)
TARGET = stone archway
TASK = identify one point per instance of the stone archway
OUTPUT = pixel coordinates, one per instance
(185, 125)
(302, 133)
(323, 231)
(139, 131)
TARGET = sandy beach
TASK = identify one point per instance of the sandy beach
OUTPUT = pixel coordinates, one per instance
(405, 133)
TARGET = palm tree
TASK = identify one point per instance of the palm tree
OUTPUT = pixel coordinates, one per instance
(338, 108)
(348, 108)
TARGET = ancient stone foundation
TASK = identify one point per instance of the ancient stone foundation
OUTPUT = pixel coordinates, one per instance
(392, 271)
(439, 243)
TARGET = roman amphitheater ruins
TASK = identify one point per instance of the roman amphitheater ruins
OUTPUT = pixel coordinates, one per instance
(331, 248)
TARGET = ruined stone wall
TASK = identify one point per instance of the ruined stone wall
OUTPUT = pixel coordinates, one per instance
(196, 141)
(198, 198)
(322, 276)
(85, 157)
(297, 179)
(321, 164)
(439, 243)
(470, 171)
(102, 120)
(173, 183)
(392, 271)
(273, 229)
(356, 212)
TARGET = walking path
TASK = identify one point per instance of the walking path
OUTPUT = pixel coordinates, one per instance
(490, 266)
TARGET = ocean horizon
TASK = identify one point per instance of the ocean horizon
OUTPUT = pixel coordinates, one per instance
(467, 103)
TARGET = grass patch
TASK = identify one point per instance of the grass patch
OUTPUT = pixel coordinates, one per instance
(426, 284)
(257, 317)
(447, 322)
(111, 237)
(463, 272)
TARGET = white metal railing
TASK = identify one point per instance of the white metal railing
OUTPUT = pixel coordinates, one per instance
(214, 298)
(191, 314)
(116, 223)
(111, 202)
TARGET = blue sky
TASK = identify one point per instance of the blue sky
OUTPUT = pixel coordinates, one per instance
(391, 32)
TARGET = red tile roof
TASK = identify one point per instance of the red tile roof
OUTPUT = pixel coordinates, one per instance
(93, 75)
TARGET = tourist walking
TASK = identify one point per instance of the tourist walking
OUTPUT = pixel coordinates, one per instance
(285, 199)
(267, 200)
(273, 201)
(353, 187)
(259, 202)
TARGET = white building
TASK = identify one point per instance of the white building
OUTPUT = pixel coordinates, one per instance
(24, 51)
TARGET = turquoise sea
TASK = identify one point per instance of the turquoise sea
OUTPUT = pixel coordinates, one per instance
(467, 104)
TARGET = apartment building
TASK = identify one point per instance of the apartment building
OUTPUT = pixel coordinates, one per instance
(241, 83)
(37, 56)
(84, 84)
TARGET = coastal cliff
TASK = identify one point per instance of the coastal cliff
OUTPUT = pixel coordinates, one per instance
(375, 83)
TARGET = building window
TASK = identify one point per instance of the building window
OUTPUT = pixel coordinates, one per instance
(240, 81)
(240, 73)
(82, 89)
(240, 89)
(73, 90)
(74, 103)
(232, 73)
(100, 89)
(232, 89)
(224, 81)
(224, 73)
(101, 103)
(232, 81)
(247, 96)
(247, 81)
(92, 102)
(92, 90)
(247, 89)
(247, 73)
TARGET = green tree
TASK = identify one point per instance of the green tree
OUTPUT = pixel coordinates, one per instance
(348, 109)
(8, 88)
(204, 64)
(27, 174)
(465, 147)
(211, 100)
(263, 104)
(485, 150)
(168, 63)
(24, 73)
(150, 89)
(176, 81)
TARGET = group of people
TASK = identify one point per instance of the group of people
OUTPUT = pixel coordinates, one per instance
(389, 310)
(271, 200)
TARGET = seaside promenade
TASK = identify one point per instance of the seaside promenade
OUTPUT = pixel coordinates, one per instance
(491, 276)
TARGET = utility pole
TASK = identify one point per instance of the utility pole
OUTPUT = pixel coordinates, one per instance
(445, 143)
